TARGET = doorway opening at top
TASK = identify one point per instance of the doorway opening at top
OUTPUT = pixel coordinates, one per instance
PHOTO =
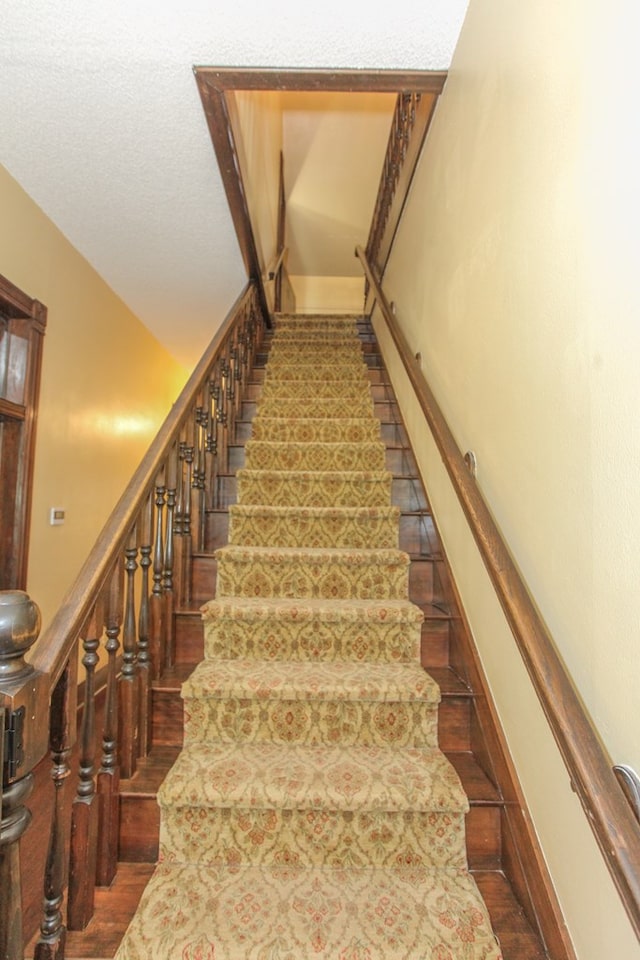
(314, 162)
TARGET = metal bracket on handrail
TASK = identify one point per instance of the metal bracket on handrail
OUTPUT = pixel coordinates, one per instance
(630, 783)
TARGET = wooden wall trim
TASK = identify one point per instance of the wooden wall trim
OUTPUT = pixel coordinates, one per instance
(215, 82)
(216, 111)
(347, 81)
(606, 807)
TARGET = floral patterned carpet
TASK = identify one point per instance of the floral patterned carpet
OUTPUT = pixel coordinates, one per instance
(311, 813)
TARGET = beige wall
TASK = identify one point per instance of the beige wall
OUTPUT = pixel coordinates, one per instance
(328, 294)
(106, 387)
(257, 116)
(515, 275)
(334, 146)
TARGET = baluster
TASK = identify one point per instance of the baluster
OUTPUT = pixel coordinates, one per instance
(198, 517)
(186, 521)
(156, 632)
(232, 391)
(211, 446)
(84, 811)
(144, 656)
(128, 688)
(51, 942)
(178, 538)
(214, 391)
(19, 628)
(109, 773)
(168, 557)
(222, 417)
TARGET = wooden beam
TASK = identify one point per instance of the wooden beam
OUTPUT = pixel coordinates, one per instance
(349, 81)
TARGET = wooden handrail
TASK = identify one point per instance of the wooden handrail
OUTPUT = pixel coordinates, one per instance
(52, 650)
(275, 269)
(607, 810)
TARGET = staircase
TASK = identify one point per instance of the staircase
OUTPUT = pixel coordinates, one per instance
(311, 812)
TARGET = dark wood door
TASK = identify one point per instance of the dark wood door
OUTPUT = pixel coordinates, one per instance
(22, 326)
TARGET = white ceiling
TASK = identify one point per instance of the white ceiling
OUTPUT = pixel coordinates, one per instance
(101, 123)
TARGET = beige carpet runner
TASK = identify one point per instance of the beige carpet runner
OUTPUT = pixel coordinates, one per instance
(311, 813)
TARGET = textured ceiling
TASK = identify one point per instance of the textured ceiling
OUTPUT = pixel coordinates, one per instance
(101, 123)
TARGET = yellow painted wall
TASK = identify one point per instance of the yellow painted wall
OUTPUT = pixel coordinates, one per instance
(328, 294)
(515, 275)
(107, 385)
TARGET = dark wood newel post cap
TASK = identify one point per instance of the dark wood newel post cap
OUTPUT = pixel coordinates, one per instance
(19, 629)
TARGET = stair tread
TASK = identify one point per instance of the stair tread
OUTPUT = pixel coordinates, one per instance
(151, 772)
(258, 509)
(383, 555)
(346, 476)
(297, 776)
(313, 608)
(172, 677)
(154, 768)
(404, 914)
(300, 680)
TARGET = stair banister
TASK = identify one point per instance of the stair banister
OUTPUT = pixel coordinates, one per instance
(54, 646)
(607, 810)
(142, 531)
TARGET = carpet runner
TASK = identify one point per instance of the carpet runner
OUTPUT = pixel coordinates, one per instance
(310, 812)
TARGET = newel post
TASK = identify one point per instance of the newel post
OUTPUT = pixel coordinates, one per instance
(24, 732)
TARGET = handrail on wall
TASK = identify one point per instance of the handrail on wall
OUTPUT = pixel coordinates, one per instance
(274, 269)
(609, 814)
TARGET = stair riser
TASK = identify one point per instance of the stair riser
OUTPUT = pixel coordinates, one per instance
(314, 722)
(263, 455)
(312, 640)
(278, 388)
(306, 491)
(355, 372)
(314, 837)
(305, 430)
(189, 638)
(139, 837)
(167, 718)
(302, 530)
(299, 579)
(309, 407)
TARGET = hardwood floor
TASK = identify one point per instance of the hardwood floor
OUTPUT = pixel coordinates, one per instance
(458, 728)
(115, 906)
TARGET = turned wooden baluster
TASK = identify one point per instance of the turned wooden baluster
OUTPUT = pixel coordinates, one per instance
(188, 453)
(156, 604)
(50, 945)
(129, 687)
(144, 656)
(167, 563)
(109, 773)
(231, 385)
(223, 419)
(199, 475)
(178, 538)
(214, 406)
(19, 628)
(84, 812)
(211, 446)
(182, 539)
